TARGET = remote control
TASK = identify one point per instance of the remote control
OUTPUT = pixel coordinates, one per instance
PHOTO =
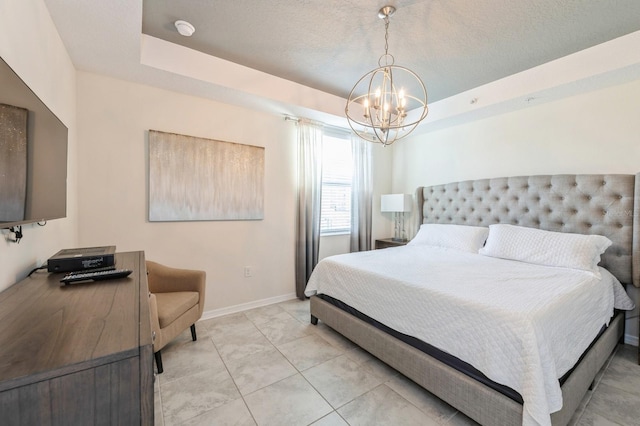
(95, 275)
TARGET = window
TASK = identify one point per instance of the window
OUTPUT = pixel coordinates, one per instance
(337, 164)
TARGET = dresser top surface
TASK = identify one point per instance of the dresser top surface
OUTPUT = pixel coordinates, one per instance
(46, 326)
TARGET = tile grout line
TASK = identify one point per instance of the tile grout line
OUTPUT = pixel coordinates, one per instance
(300, 372)
(160, 384)
(359, 364)
(160, 397)
(447, 419)
(343, 351)
(208, 336)
(334, 410)
(295, 368)
(278, 381)
(296, 314)
(234, 380)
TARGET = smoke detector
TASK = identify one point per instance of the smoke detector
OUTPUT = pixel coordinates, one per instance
(185, 28)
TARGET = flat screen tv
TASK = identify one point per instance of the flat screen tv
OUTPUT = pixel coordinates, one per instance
(33, 155)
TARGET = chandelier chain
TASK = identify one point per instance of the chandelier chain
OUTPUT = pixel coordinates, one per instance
(386, 36)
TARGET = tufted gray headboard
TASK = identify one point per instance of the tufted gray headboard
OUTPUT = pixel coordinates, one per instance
(585, 204)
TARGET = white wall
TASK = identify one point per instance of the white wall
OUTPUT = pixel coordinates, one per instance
(30, 44)
(595, 132)
(382, 223)
(114, 117)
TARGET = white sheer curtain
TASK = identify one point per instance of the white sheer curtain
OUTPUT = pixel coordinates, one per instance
(361, 195)
(309, 198)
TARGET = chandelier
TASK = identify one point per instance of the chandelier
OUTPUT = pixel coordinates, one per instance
(388, 103)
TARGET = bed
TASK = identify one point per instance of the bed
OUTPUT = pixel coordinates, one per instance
(574, 204)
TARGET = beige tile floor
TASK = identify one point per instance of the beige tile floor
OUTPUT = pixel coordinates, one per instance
(269, 366)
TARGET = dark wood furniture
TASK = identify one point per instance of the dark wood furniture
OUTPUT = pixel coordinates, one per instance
(388, 242)
(79, 354)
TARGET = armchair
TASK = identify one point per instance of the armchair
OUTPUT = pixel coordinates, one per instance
(176, 302)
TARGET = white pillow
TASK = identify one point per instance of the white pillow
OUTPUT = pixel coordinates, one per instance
(576, 251)
(458, 237)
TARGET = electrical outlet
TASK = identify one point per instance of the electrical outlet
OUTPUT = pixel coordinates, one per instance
(248, 272)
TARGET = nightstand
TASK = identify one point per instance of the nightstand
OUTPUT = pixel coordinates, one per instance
(389, 242)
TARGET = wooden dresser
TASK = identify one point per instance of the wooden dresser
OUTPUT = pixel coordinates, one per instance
(79, 354)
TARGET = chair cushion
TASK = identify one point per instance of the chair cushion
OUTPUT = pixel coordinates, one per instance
(172, 305)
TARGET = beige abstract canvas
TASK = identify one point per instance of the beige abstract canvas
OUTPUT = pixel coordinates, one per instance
(194, 179)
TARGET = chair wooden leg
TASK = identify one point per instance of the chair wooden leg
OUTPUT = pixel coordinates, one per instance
(193, 332)
(158, 357)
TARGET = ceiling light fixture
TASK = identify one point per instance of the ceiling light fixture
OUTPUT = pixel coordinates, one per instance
(185, 28)
(388, 103)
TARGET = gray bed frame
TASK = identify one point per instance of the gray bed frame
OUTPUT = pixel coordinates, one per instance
(586, 204)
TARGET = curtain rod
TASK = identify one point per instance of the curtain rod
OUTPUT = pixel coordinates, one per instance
(318, 123)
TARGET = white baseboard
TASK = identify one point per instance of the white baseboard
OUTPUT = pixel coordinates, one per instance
(631, 340)
(246, 306)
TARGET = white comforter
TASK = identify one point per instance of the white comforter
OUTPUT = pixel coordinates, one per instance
(522, 325)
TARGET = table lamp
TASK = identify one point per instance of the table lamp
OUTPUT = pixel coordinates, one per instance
(398, 204)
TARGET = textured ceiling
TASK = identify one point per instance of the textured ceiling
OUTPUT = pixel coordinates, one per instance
(303, 56)
(453, 45)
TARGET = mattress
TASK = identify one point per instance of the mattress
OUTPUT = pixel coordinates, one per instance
(521, 325)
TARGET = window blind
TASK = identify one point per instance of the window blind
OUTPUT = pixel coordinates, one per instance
(337, 164)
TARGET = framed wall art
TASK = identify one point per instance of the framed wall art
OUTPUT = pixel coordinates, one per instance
(192, 179)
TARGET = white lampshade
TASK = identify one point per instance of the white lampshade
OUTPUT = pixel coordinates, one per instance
(396, 203)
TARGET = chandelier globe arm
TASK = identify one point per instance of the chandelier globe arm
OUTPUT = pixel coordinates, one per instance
(382, 108)
(364, 111)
